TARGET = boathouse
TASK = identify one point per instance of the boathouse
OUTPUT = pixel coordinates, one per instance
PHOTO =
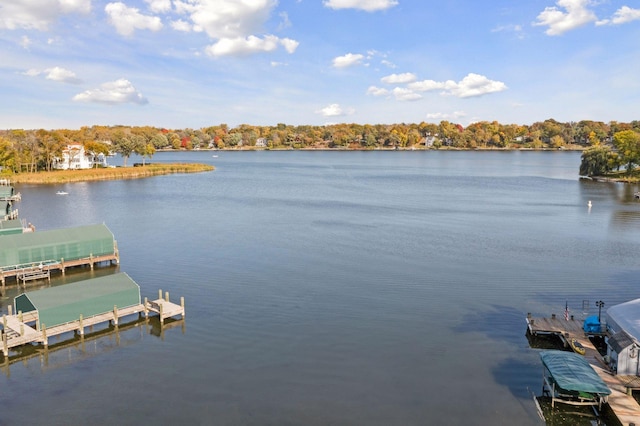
(12, 226)
(42, 251)
(63, 304)
(623, 345)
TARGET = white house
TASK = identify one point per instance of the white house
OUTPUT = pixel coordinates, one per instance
(74, 156)
(623, 347)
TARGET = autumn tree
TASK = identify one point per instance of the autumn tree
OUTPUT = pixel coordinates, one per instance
(628, 144)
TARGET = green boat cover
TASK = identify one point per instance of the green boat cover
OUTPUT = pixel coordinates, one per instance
(571, 372)
(65, 303)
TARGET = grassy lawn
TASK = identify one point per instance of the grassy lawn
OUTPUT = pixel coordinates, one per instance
(62, 176)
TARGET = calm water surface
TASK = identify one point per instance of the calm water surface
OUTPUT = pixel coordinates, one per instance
(344, 288)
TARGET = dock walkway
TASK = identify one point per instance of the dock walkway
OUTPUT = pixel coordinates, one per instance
(623, 405)
(22, 329)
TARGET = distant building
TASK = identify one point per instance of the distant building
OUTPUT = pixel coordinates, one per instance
(261, 142)
(74, 156)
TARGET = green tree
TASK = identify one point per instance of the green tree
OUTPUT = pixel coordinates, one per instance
(628, 144)
(597, 161)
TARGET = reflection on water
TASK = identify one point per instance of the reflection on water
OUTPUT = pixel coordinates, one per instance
(72, 348)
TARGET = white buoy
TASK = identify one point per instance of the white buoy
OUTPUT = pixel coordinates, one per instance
(589, 203)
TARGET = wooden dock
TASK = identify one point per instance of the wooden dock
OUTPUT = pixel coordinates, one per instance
(622, 404)
(42, 270)
(22, 329)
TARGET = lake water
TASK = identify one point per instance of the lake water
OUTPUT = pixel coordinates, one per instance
(343, 288)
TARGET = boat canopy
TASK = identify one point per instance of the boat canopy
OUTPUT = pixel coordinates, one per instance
(571, 372)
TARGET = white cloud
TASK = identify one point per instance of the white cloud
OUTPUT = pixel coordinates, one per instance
(347, 60)
(622, 16)
(476, 85)
(181, 25)
(55, 74)
(38, 14)
(128, 19)
(334, 110)
(159, 6)
(289, 45)
(25, 42)
(115, 92)
(406, 77)
(285, 23)
(62, 75)
(445, 116)
(470, 86)
(32, 73)
(388, 63)
(404, 94)
(366, 5)
(251, 44)
(377, 91)
(227, 19)
(577, 14)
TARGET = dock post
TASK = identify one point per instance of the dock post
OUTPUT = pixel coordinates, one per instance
(115, 315)
(166, 296)
(10, 309)
(45, 341)
(62, 265)
(4, 322)
(91, 260)
(146, 307)
(161, 317)
(5, 346)
(81, 326)
(159, 293)
(182, 304)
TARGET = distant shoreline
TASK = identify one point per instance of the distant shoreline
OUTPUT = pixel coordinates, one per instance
(107, 173)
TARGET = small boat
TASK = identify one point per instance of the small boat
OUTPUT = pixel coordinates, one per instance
(577, 347)
(214, 156)
(62, 193)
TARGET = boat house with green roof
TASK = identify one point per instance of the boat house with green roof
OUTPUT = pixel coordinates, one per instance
(63, 304)
(31, 254)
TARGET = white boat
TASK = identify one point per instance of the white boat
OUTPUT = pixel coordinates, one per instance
(62, 193)
(214, 156)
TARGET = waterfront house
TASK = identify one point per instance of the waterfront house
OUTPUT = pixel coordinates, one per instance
(74, 156)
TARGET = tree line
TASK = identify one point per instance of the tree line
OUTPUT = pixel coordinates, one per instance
(35, 150)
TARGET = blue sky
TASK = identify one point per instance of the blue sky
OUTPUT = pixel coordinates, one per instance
(197, 63)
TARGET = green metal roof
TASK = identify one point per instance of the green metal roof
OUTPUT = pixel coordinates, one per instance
(6, 191)
(65, 303)
(571, 372)
(55, 245)
(11, 226)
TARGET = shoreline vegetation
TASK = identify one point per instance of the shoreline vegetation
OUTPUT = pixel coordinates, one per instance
(107, 173)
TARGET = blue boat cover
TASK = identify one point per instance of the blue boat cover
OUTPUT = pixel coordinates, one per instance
(572, 372)
(591, 324)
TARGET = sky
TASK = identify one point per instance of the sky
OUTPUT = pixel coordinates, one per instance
(182, 64)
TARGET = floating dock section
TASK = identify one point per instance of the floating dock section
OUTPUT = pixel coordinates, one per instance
(53, 311)
(33, 255)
